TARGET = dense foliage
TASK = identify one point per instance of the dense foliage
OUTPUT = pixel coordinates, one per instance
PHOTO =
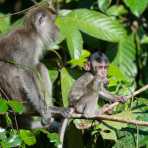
(118, 28)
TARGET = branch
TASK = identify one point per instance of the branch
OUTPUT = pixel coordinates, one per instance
(110, 107)
(110, 118)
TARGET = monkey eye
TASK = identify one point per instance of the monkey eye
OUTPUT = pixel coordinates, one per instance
(102, 66)
(106, 66)
(40, 17)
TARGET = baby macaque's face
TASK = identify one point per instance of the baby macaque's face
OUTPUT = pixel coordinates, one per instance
(101, 71)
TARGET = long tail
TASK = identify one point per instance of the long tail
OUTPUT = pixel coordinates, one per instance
(63, 129)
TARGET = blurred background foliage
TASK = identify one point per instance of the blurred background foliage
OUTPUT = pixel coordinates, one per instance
(119, 28)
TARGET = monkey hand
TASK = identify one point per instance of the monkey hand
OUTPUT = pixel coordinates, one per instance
(66, 113)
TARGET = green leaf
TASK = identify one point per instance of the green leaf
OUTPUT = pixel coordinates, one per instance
(91, 22)
(116, 73)
(136, 6)
(16, 106)
(3, 135)
(54, 137)
(8, 120)
(128, 115)
(104, 4)
(144, 40)
(28, 137)
(3, 106)
(53, 74)
(5, 144)
(81, 61)
(14, 140)
(126, 57)
(66, 83)
(73, 37)
(74, 42)
(119, 82)
(126, 139)
(4, 22)
(116, 10)
(98, 25)
(107, 133)
(108, 127)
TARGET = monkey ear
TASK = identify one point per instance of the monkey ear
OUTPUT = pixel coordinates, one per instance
(53, 17)
(87, 66)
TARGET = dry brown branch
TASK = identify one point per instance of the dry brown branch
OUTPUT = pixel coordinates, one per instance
(110, 118)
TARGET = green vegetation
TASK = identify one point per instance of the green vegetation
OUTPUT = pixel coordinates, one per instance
(118, 28)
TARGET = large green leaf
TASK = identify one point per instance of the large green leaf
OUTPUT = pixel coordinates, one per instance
(98, 25)
(126, 56)
(136, 6)
(66, 83)
(74, 42)
(73, 36)
(91, 22)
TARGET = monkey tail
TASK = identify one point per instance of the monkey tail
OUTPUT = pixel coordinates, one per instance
(63, 129)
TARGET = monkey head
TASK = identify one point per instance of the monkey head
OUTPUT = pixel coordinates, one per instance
(41, 21)
(99, 65)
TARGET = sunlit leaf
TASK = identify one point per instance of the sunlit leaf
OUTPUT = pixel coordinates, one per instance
(144, 40)
(73, 36)
(115, 73)
(107, 133)
(66, 84)
(53, 74)
(116, 10)
(136, 6)
(90, 22)
(81, 61)
(126, 57)
(54, 137)
(16, 106)
(28, 137)
(3, 106)
(14, 140)
(4, 23)
(98, 25)
(104, 4)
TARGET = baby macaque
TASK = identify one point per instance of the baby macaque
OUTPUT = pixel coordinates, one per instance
(91, 86)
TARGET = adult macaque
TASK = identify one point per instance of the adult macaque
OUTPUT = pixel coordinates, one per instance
(22, 76)
(90, 87)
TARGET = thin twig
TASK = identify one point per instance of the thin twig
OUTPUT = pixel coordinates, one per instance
(128, 97)
(22, 11)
